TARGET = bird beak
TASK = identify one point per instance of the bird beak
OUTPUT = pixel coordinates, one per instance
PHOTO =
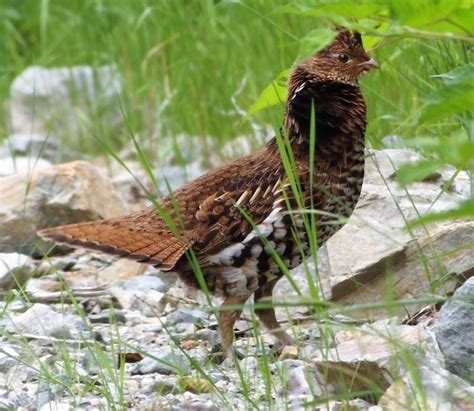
(370, 64)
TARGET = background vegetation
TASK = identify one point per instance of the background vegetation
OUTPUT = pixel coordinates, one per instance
(196, 67)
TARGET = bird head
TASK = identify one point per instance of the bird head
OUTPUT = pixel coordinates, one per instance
(344, 60)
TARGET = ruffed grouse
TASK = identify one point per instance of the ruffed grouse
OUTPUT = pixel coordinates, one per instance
(233, 220)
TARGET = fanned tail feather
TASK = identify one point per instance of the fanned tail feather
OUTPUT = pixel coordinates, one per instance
(145, 240)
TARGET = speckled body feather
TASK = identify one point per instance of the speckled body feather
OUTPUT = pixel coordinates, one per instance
(212, 213)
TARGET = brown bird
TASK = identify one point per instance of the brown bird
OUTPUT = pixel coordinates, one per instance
(234, 220)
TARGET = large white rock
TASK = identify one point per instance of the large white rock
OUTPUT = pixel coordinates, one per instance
(15, 165)
(62, 194)
(62, 103)
(131, 184)
(375, 248)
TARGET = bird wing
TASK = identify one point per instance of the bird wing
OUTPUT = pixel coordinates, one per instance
(227, 217)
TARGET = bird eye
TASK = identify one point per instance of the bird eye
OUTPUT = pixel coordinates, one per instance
(343, 58)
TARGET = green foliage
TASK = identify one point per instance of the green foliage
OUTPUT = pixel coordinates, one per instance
(315, 40)
(455, 96)
(417, 172)
(273, 94)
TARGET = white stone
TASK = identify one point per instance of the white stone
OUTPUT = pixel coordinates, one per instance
(18, 165)
(41, 320)
(61, 100)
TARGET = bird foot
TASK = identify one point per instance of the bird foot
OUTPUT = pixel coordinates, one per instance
(281, 344)
(286, 350)
(218, 354)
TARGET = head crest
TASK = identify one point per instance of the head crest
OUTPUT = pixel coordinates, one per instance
(352, 39)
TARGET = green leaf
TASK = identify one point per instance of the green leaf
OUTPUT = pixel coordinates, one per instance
(464, 210)
(456, 149)
(370, 26)
(314, 41)
(455, 97)
(460, 73)
(409, 173)
(331, 8)
(421, 13)
(273, 94)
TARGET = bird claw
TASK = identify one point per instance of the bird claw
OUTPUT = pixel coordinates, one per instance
(279, 346)
(218, 354)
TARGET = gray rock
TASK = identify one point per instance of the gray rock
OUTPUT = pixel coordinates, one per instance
(431, 386)
(6, 404)
(145, 283)
(165, 178)
(20, 399)
(183, 330)
(286, 365)
(59, 102)
(119, 270)
(455, 331)
(44, 397)
(159, 386)
(94, 362)
(15, 270)
(33, 147)
(149, 304)
(169, 278)
(393, 141)
(41, 320)
(17, 377)
(108, 317)
(446, 246)
(352, 405)
(63, 194)
(166, 362)
(187, 316)
(57, 405)
(206, 334)
(302, 381)
(197, 405)
(16, 306)
(249, 364)
(8, 358)
(175, 176)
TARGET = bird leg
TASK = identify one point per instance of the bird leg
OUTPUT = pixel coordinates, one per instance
(227, 320)
(268, 318)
